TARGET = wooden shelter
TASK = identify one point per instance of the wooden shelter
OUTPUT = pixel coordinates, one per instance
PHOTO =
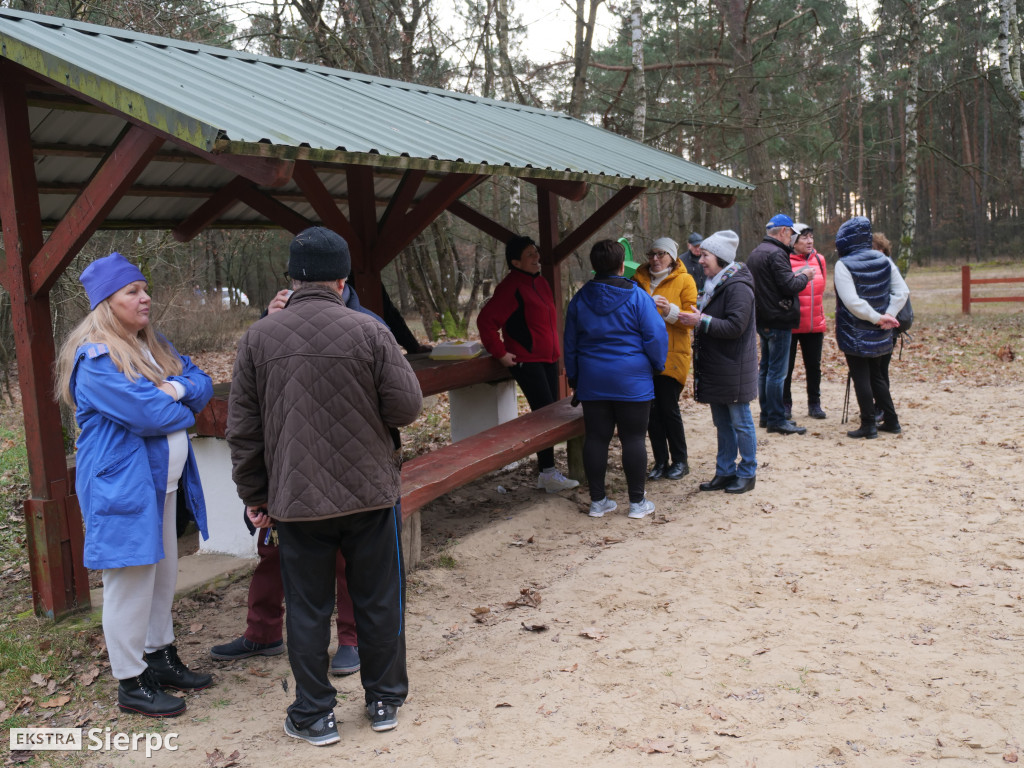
(102, 128)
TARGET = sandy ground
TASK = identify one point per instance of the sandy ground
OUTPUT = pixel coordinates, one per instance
(864, 605)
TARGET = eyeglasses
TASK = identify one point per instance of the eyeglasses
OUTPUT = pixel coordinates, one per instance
(657, 254)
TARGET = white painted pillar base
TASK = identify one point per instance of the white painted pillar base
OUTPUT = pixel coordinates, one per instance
(481, 406)
(228, 532)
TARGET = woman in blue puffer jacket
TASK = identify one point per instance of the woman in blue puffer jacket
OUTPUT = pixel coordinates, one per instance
(870, 292)
(615, 343)
(134, 396)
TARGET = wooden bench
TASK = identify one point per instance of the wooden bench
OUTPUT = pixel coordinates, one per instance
(430, 476)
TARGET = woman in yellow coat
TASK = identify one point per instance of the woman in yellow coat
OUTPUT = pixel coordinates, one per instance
(674, 291)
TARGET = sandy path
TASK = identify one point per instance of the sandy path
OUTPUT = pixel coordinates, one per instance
(863, 606)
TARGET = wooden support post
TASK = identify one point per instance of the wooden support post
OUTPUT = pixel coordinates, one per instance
(362, 214)
(547, 224)
(965, 289)
(60, 583)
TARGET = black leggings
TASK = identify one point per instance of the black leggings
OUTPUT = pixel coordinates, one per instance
(600, 417)
(810, 345)
(872, 388)
(665, 427)
(539, 382)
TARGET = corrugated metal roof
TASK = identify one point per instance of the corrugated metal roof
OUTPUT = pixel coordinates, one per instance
(222, 99)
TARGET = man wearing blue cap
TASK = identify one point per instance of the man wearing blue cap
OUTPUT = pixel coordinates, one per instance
(777, 308)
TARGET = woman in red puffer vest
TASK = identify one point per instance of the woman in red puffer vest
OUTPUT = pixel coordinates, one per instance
(810, 334)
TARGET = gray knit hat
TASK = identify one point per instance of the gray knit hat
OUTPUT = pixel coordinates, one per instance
(668, 245)
(722, 244)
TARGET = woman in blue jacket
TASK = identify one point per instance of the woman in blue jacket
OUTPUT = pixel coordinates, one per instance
(615, 343)
(134, 396)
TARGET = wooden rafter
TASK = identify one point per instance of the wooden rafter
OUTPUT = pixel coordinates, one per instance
(128, 158)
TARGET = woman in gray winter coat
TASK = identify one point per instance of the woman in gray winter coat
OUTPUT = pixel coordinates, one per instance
(725, 360)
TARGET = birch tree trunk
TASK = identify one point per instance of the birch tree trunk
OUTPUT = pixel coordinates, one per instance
(1009, 63)
(639, 108)
(909, 220)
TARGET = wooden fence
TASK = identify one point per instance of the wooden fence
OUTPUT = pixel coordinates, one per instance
(967, 282)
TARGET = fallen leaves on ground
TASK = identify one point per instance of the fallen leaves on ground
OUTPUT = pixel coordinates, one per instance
(528, 598)
(217, 759)
(593, 634)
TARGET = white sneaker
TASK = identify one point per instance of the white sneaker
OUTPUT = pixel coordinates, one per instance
(599, 508)
(554, 481)
(639, 509)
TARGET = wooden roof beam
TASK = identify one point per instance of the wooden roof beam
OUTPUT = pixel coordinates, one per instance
(126, 161)
(323, 202)
(570, 190)
(594, 222)
(486, 225)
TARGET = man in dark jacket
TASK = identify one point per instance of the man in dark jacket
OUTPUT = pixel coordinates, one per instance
(691, 259)
(314, 393)
(776, 288)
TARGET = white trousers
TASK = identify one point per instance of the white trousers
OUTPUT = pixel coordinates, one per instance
(137, 604)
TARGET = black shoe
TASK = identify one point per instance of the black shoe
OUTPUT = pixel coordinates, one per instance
(892, 427)
(815, 412)
(677, 470)
(879, 417)
(345, 661)
(741, 485)
(321, 733)
(717, 483)
(383, 717)
(868, 431)
(762, 421)
(242, 648)
(787, 428)
(170, 672)
(657, 473)
(144, 696)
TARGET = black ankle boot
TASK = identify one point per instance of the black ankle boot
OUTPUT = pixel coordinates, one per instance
(868, 429)
(170, 672)
(144, 696)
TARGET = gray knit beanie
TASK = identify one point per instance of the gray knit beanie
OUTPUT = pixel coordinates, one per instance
(722, 244)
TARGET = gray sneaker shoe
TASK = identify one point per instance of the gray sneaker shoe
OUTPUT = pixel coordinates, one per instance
(321, 733)
(554, 481)
(639, 509)
(602, 507)
(383, 717)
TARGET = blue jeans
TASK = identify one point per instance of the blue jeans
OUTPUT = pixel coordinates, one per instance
(736, 433)
(771, 373)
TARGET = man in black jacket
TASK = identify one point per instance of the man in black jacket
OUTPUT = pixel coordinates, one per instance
(776, 288)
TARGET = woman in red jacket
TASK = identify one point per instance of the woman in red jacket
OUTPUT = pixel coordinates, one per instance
(518, 326)
(810, 334)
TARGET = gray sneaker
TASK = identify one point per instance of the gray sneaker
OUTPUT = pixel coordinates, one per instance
(321, 733)
(383, 717)
(600, 508)
(639, 509)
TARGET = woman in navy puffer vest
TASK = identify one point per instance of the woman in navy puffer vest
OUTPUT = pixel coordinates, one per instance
(870, 292)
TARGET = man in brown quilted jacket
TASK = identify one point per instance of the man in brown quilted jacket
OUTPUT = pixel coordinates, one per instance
(313, 395)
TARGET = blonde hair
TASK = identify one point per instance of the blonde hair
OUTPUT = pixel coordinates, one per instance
(128, 352)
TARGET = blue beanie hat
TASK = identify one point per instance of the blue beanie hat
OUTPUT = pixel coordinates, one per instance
(318, 255)
(105, 277)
